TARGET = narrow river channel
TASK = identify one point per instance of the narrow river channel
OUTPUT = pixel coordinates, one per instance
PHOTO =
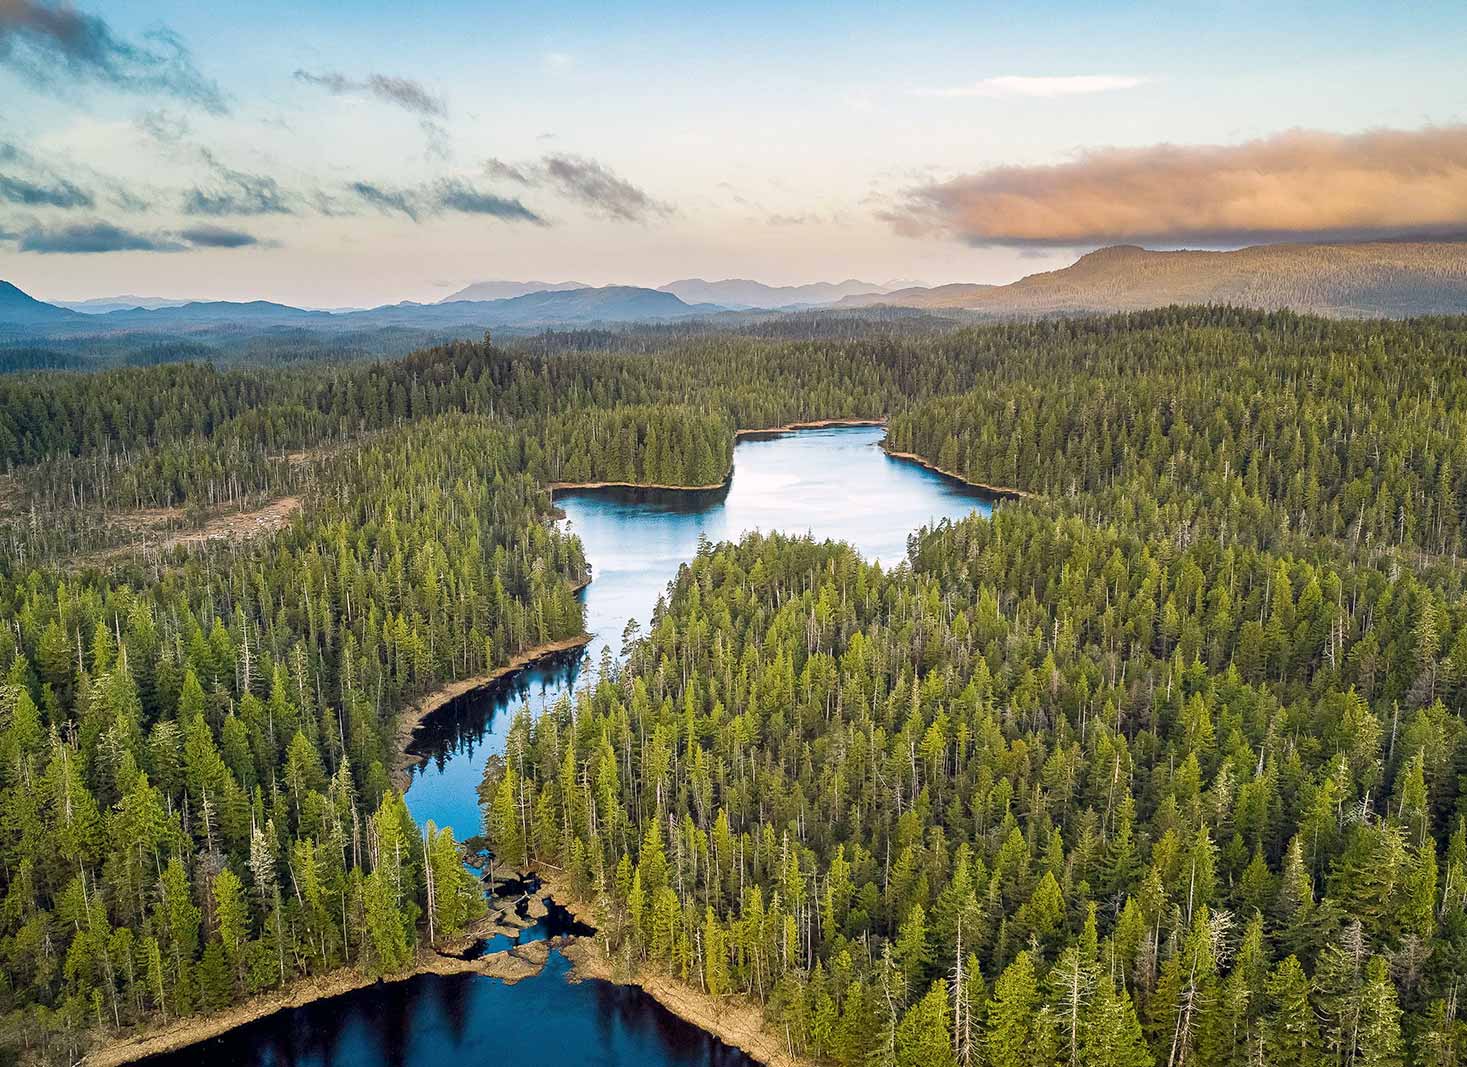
(832, 483)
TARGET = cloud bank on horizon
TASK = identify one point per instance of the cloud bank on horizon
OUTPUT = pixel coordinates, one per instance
(1296, 185)
(309, 150)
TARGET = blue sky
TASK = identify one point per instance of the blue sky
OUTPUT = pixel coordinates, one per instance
(649, 141)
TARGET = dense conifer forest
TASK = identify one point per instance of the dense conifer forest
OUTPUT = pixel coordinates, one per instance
(1357, 436)
(1160, 765)
(1051, 794)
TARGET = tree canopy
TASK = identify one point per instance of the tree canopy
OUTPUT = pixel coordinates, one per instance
(1162, 764)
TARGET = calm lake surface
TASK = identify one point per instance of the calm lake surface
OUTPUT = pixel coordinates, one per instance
(832, 483)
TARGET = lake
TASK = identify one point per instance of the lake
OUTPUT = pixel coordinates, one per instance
(831, 483)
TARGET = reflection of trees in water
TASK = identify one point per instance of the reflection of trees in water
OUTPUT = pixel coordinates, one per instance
(434, 1020)
(455, 1003)
(365, 1028)
(463, 723)
(392, 1017)
(651, 1026)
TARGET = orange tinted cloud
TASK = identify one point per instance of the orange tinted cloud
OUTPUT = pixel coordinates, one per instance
(1301, 184)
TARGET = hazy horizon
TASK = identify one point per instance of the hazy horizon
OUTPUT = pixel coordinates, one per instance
(290, 153)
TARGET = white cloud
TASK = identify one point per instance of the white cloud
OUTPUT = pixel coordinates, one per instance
(1040, 87)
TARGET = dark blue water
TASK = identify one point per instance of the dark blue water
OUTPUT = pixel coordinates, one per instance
(834, 483)
(468, 1020)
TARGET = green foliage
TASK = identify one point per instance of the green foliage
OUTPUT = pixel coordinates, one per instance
(1163, 766)
(193, 778)
(825, 768)
(1289, 431)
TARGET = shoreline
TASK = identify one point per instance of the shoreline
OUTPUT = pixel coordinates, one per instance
(816, 424)
(184, 1033)
(1003, 491)
(565, 487)
(751, 431)
(734, 1020)
(413, 716)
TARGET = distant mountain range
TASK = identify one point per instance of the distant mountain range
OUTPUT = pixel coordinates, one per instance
(101, 305)
(502, 290)
(211, 313)
(731, 293)
(1351, 280)
(1380, 278)
(745, 293)
(608, 304)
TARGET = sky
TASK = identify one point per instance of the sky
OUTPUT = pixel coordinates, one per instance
(351, 154)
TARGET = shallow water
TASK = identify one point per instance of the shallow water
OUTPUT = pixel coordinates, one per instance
(832, 483)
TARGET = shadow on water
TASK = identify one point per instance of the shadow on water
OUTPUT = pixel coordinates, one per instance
(464, 723)
(653, 501)
(436, 1020)
(454, 742)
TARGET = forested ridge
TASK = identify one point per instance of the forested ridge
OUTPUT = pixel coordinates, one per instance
(1050, 794)
(1338, 279)
(1153, 739)
(1234, 435)
(70, 505)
